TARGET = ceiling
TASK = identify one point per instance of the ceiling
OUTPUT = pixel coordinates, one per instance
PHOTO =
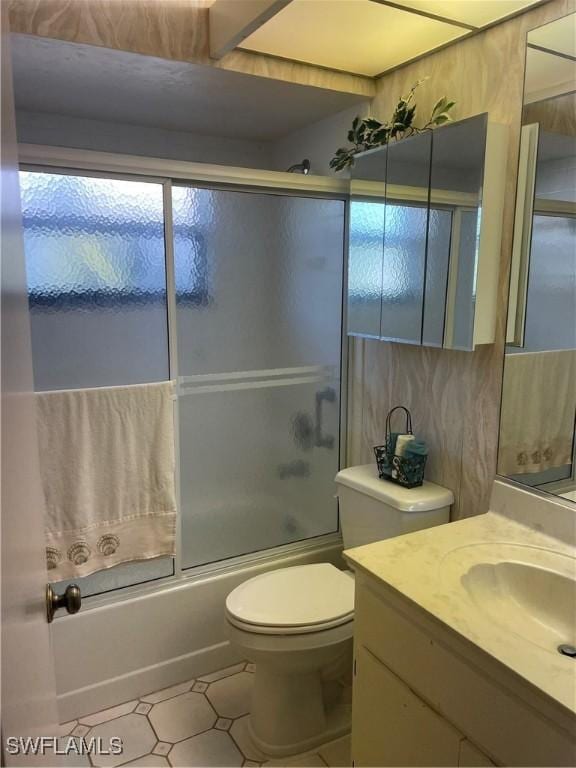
(370, 37)
(98, 83)
(551, 60)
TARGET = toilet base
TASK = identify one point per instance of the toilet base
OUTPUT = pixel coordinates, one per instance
(304, 715)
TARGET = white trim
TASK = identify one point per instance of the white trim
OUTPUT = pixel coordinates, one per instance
(173, 358)
(490, 245)
(239, 385)
(328, 371)
(551, 92)
(551, 207)
(231, 22)
(452, 287)
(360, 189)
(522, 238)
(257, 379)
(88, 160)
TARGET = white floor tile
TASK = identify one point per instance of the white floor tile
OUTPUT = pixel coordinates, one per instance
(337, 753)
(304, 761)
(65, 728)
(239, 732)
(162, 748)
(108, 714)
(230, 696)
(177, 726)
(213, 748)
(154, 761)
(138, 739)
(167, 693)
(71, 757)
(226, 672)
(183, 716)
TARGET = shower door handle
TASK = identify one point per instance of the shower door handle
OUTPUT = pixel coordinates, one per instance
(71, 600)
(322, 440)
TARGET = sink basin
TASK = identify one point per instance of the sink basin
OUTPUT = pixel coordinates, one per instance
(529, 591)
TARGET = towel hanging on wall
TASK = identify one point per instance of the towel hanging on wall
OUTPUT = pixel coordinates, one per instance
(107, 468)
(538, 406)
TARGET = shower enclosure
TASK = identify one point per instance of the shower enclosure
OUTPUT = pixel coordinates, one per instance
(235, 292)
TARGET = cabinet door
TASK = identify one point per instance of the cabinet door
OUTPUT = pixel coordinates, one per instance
(456, 181)
(405, 238)
(366, 243)
(471, 756)
(391, 726)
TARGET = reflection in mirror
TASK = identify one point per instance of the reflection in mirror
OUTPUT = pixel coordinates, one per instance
(366, 243)
(405, 228)
(457, 176)
(539, 388)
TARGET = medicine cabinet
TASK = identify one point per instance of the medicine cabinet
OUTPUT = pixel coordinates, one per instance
(424, 237)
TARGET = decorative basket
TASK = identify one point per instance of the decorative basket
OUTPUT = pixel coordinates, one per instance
(403, 470)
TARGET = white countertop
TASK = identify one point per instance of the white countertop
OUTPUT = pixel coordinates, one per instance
(426, 568)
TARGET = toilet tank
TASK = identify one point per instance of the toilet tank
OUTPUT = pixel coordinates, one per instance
(372, 509)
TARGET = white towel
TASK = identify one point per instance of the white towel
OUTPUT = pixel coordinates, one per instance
(538, 405)
(107, 466)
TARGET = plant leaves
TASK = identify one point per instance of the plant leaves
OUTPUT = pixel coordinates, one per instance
(370, 132)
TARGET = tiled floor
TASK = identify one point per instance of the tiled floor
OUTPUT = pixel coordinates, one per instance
(198, 723)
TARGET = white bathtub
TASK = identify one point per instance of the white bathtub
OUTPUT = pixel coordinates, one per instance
(134, 642)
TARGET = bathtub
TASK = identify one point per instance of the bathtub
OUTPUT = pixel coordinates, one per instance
(139, 640)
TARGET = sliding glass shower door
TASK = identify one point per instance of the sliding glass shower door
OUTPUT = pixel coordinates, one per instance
(259, 297)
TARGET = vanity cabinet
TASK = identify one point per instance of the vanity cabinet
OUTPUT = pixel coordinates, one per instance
(391, 721)
(424, 237)
(424, 696)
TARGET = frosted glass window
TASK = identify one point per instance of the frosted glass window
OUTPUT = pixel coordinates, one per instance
(551, 299)
(259, 365)
(403, 272)
(97, 280)
(405, 237)
(366, 243)
(95, 262)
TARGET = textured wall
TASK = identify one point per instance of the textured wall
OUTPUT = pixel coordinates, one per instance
(556, 115)
(454, 396)
(170, 29)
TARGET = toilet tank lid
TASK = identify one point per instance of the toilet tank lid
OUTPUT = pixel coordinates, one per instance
(425, 498)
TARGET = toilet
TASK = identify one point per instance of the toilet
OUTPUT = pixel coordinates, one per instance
(296, 624)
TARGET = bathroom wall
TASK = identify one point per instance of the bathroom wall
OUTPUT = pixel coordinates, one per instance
(105, 136)
(454, 396)
(317, 142)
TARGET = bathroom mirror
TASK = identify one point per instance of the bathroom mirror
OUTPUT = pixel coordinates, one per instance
(389, 193)
(456, 182)
(405, 228)
(424, 240)
(539, 389)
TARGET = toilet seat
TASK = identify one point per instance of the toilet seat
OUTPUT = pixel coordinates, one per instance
(293, 601)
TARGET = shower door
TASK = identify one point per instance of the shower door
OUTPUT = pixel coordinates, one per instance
(258, 306)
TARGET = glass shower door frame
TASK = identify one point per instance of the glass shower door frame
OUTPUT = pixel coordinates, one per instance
(100, 165)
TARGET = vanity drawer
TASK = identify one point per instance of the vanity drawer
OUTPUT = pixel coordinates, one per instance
(392, 726)
(472, 698)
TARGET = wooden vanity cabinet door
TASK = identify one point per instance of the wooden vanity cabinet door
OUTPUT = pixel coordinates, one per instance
(471, 756)
(391, 726)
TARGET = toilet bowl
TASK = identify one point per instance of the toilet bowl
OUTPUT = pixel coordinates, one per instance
(296, 625)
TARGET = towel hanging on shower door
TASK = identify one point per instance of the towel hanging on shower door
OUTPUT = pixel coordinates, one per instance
(107, 468)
